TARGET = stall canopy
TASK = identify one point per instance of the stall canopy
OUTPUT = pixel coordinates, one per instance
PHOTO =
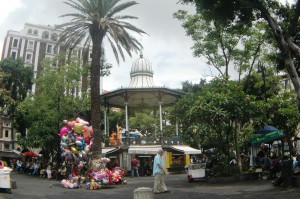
(109, 150)
(268, 137)
(9, 154)
(186, 150)
(153, 149)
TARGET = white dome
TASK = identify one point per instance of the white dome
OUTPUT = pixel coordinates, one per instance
(141, 74)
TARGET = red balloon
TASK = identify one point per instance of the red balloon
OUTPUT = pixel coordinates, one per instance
(87, 140)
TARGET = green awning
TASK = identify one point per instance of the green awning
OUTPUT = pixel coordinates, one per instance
(274, 135)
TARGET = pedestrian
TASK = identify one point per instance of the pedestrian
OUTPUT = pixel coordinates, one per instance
(158, 172)
(134, 167)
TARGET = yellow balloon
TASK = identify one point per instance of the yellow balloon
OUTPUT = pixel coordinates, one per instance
(78, 127)
(74, 150)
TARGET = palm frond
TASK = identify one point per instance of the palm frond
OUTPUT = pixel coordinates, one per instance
(114, 49)
(120, 8)
(96, 16)
(124, 17)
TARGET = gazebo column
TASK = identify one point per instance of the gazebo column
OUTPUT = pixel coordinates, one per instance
(176, 128)
(126, 116)
(160, 120)
(105, 121)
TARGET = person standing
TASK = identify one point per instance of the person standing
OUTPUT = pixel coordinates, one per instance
(158, 172)
(134, 167)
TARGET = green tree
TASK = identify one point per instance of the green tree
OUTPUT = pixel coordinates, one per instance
(56, 101)
(143, 122)
(95, 20)
(224, 45)
(282, 20)
(189, 87)
(15, 83)
(216, 118)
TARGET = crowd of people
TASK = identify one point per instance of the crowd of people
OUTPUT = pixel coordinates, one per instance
(50, 170)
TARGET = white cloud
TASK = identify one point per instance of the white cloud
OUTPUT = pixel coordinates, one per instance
(7, 7)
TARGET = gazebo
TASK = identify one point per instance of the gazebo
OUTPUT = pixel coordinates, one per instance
(141, 92)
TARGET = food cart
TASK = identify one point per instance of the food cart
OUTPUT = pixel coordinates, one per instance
(5, 179)
(196, 171)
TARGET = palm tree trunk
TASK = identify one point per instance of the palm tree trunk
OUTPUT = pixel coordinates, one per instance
(97, 39)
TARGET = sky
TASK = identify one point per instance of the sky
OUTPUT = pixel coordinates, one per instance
(166, 46)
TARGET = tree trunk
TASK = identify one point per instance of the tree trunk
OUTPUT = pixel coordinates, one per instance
(85, 60)
(237, 148)
(97, 38)
(285, 49)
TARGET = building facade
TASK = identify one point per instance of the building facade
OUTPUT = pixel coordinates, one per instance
(34, 43)
(8, 139)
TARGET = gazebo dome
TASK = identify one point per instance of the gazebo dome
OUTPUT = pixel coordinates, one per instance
(141, 74)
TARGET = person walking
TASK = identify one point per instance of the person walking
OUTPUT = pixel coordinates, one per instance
(134, 167)
(158, 172)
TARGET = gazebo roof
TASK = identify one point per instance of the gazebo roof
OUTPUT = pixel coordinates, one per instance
(140, 97)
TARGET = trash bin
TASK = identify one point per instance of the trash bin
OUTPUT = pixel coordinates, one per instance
(5, 179)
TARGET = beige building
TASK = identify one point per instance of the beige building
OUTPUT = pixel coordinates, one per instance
(8, 139)
(34, 43)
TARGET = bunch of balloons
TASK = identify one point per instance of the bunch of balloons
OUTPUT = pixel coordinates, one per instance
(69, 184)
(93, 185)
(107, 176)
(76, 141)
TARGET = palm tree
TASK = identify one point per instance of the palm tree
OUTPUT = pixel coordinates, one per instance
(96, 20)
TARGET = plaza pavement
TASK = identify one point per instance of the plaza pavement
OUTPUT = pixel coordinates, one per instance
(31, 187)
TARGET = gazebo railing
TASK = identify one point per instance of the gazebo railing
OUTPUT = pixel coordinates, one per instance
(164, 141)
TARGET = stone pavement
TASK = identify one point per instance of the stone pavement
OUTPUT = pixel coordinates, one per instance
(29, 187)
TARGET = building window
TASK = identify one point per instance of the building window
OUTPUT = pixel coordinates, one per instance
(55, 50)
(35, 32)
(54, 37)
(30, 45)
(6, 133)
(29, 31)
(49, 48)
(29, 57)
(14, 54)
(6, 147)
(45, 35)
(15, 43)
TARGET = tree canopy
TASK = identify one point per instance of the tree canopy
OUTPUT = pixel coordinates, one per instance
(15, 83)
(282, 20)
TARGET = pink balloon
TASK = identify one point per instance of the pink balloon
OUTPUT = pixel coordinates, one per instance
(63, 131)
(70, 124)
(81, 121)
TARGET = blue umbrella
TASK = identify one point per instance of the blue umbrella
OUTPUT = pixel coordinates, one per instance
(266, 129)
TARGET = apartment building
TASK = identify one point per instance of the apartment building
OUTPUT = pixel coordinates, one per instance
(34, 43)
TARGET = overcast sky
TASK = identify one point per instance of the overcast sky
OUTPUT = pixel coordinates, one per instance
(166, 46)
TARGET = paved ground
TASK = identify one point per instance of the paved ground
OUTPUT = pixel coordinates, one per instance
(29, 187)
